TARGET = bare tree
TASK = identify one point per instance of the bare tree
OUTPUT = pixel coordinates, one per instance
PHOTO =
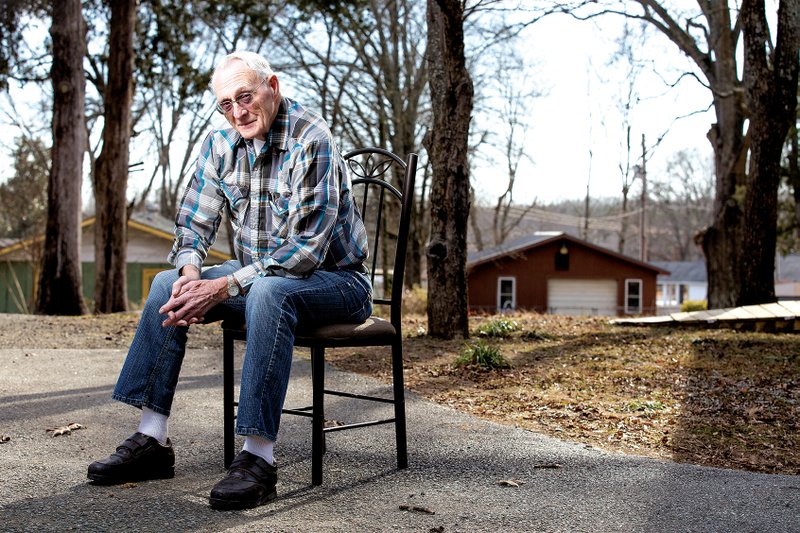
(629, 97)
(681, 206)
(789, 193)
(111, 173)
(753, 110)
(447, 143)
(60, 284)
(515, 101)
(367, 74)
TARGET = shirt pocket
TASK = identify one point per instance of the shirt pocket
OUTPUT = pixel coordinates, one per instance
(279, 202)
(236, 189)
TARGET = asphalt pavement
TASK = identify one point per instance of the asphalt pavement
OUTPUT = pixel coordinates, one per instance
(465, 474)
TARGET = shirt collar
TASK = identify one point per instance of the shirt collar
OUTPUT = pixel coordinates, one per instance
(278, 134)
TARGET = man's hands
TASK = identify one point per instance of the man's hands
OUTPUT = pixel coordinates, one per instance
(192, 298)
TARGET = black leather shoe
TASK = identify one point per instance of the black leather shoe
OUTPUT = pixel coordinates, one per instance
(138, 458)
(250, 482)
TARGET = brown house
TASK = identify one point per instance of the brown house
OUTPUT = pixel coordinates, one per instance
(553, 272)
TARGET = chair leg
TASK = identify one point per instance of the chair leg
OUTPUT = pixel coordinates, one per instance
(399, 405)
(227, 399)
(318, 413)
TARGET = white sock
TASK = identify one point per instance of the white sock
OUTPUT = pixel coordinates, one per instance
(154, 425)
(260, 446)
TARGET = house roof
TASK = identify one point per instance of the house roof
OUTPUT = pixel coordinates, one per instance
(787, 269)
(537, 239)
(688, 271)
(147, 222)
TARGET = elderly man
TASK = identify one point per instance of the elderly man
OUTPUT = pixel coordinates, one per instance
(300, 245)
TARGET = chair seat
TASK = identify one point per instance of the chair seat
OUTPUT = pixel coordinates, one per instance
(371, 330)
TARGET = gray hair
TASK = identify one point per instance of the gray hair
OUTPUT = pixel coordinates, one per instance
(254, 62)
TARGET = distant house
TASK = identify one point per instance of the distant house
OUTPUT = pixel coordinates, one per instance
(687, 280)
(684, 280)
(149, 241)
(554, 272)
(787, 277)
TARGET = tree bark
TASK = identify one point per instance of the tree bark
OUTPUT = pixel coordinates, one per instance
(739, 245)
(111, 175)
(60, 284)
(447, 144)
(770, 82)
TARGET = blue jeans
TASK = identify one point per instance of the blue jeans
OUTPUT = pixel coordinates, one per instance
(272, 308)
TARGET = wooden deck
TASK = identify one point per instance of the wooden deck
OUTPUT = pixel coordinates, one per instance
(781, 317)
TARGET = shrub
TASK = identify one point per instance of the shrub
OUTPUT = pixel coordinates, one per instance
(536, 335)
(694, 305)
(482, 355)
(645, 406)
(499, 327)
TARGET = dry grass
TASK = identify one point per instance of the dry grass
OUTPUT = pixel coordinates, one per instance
(712, 397)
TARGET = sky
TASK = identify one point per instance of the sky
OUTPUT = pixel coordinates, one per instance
(578, 115)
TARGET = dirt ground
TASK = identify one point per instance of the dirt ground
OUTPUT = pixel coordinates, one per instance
(713, 397)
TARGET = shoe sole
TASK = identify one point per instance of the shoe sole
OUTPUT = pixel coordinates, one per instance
(234, 505)
(100, 479)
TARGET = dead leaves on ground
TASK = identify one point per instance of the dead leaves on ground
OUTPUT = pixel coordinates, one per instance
(713, 397)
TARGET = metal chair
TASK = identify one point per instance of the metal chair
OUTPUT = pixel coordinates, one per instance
(378, 200)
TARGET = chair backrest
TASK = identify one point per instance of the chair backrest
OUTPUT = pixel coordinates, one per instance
(383, 187)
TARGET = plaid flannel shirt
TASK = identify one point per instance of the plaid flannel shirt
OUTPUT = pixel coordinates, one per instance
(290, 206)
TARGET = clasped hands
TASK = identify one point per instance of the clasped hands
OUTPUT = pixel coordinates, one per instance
(192, 297)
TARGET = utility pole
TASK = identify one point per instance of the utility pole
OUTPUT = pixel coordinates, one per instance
(589, 170)
(643, 214)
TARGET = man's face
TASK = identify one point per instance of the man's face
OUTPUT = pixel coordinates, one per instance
(251, 120)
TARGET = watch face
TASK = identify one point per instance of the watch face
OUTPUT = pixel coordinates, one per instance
(233, 289)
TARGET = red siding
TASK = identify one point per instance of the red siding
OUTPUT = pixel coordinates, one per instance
(533, 267)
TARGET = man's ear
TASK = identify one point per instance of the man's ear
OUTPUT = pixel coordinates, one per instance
(273, 83)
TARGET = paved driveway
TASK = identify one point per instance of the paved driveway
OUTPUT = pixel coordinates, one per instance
(456, 462)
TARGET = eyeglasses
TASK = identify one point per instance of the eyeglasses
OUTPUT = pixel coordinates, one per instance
(243, 100)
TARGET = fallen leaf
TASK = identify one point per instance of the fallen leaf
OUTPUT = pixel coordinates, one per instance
(510, 482)
(65, 430)
(331, 423)
(417, 509)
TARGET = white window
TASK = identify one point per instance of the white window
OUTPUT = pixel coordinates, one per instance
(633, 296)
(506, 294)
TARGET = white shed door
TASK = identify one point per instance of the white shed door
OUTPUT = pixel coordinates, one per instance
(582, 297)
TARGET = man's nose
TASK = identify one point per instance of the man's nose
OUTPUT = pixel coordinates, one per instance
(239, 110)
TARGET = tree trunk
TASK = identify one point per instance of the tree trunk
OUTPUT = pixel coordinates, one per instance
(740, 244)
(771, 91)
(447, 144)
(60, 285)
(111, 177)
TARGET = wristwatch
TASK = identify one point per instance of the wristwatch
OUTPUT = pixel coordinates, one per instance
(233, 287)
